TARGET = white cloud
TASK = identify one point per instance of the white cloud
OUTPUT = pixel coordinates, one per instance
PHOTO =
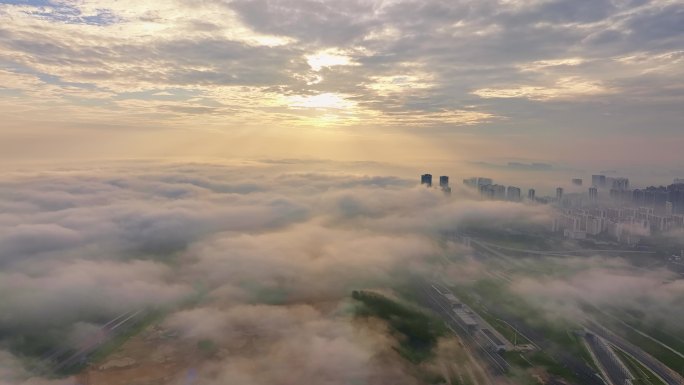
(562, 89)
(276, 252)
(328, 58)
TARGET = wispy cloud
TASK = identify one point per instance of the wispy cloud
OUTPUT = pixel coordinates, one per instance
(437, 65)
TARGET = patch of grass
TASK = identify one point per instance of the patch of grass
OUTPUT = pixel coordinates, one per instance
(658, 329)
(540, 358)
(516, 359)
(416, 331)
(207, 347)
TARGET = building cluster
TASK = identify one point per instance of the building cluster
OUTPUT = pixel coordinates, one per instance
(602, 181)
(489, 190)
(626, 225)
(476, 182)
(628, 214)
(664, 200)
(426, 179)
(609, 208)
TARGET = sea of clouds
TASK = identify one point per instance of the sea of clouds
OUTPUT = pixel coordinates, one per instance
(274, 247)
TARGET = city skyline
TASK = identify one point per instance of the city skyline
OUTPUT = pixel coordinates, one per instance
(278, 192)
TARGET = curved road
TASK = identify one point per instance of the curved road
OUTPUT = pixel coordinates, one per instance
(665, 374)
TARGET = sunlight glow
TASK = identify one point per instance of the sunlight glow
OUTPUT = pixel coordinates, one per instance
(385, 85)
(564, 88)
(327, 100)
(328, 58)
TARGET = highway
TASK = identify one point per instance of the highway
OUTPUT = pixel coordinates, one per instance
(611, 366)
(438, 303)
(117, 325)
(497, 363)
(561, 253)
(581, 369)
(664, 373)
(643, 334)
(484, 250)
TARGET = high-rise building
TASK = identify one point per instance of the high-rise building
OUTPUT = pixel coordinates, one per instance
(639, 197)
(669, 208)
(470, 182)
(426, 179)
(621, 184)
(484, 181)
(559, 194)
(660, 198)
(443, 181)
(676, 196)
(513, 194)
(593, 194)
(444, 184)
(678, 181)
(614, 194)
(577, 181)
(598, 180)
(499, 191)
(493, 191)
(486, 191)
(531, 194)
(657, 197)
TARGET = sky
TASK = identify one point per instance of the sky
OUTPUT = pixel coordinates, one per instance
(586, 83)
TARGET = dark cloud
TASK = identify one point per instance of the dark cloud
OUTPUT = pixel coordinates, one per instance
(660, 28)
(25, 240)
(313, 22)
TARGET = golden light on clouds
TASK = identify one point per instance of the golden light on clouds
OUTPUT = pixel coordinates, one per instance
(544, 64)
(328, 58)
(385, 85)
(564, 88)
(326, 101)
(246, 67)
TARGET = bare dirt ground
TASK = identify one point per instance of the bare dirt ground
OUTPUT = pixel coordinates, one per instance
(153, 357)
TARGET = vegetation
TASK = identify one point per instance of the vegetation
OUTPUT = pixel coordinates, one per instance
(207, 347)
(659, 329)
(416, 331)
(535, 238)
(492, 300)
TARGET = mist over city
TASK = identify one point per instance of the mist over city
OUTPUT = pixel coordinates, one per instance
(280, 192)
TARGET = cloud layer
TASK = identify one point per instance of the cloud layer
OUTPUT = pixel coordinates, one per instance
(259, 258)
(270, 250)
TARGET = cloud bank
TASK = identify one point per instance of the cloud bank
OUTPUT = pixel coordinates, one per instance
(270, 249)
